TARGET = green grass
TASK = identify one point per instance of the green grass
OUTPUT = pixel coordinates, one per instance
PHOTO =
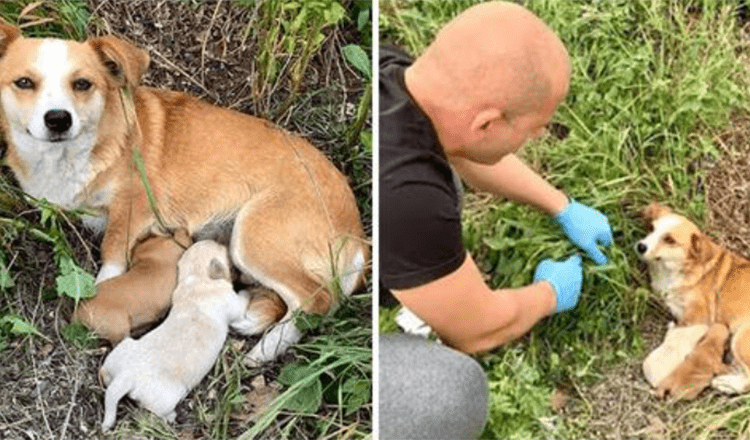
(653, 84)
(326, 383)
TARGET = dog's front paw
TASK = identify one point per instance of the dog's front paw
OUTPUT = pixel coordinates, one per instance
(109, 270)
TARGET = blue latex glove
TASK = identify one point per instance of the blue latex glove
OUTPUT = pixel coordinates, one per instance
(585, 227)
(565, 277)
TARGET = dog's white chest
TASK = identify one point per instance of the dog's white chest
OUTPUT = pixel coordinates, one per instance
(58, 172)
(667, 282)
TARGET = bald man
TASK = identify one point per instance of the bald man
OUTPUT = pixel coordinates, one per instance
(489, 82)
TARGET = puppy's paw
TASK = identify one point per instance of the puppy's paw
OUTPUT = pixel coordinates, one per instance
(674, 390)
(109, 270)
(735, 383)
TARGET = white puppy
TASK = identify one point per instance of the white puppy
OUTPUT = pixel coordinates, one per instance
(161, 368)
(678, 343)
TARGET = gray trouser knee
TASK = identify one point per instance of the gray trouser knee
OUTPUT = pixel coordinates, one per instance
(429, 391)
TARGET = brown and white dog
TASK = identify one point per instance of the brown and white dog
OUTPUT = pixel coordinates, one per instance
(74, 117)
(701, 283)
(140, 296)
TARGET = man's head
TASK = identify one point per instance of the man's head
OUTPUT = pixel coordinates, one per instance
(490, 80)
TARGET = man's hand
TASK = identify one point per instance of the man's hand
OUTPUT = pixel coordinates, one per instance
(565, 277)
(585, 227)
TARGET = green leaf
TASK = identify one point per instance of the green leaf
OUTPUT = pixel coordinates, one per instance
(362, 19)
(19, 326)
(358, 58)
(308, 397)
(356, 393)
(6, 280)
(73, 281)
(334, 14)
(80, 336)
(365, 137)
(307, 400)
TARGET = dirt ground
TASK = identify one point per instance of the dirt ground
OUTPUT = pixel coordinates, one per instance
(49, 388)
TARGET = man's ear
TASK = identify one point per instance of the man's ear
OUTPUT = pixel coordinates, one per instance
(125, 62)
(484, 119)
(8, 34)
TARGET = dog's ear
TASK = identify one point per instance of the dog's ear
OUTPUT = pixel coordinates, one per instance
(125, 62)
(701, 248)
(8, 34)
(217, 270)
(654, 211)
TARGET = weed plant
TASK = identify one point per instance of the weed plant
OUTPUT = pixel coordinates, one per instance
(653, 83)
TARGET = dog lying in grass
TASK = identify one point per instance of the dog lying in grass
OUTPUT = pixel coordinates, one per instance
(159, 369)
(701, 283)
(82, 133)
(140, 296)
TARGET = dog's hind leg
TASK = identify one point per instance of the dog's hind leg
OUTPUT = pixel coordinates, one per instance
(737, 381)
(264, 309)
(287, 243)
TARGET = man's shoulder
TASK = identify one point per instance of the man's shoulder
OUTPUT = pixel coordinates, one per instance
(390, 55)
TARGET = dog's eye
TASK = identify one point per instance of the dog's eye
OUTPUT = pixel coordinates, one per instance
(668, 239)
(24, 83)
(81, 85)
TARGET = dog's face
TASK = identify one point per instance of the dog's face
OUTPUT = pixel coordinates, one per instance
(51, 90)
(673, 240)
(55, 91)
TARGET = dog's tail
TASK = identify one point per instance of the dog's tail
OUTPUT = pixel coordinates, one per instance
(116, 390)
(346, 262)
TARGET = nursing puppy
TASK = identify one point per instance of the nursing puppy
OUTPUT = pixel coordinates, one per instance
(701, 283)
(699, 368)
(159, 369)
(140, 296)
(678, 343)
(75, 121)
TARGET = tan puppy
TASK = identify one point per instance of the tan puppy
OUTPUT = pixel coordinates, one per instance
(701, 283)
(677, 345)
(159, 369)
(76, 121)
(140, 296)
(699, 368)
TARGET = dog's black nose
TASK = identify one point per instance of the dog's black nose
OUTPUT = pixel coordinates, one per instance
(58, 121)
(641, 248)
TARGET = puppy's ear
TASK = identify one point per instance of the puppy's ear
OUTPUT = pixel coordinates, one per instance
(701, 248)
(182, 238)
(125, 62)
(7, 35)
(217, 270)
(654, 211)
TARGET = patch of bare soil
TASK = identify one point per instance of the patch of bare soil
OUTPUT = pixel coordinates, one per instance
(48, 384)
(728, 190)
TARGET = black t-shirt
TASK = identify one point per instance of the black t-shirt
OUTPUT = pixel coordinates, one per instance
(420, 218)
